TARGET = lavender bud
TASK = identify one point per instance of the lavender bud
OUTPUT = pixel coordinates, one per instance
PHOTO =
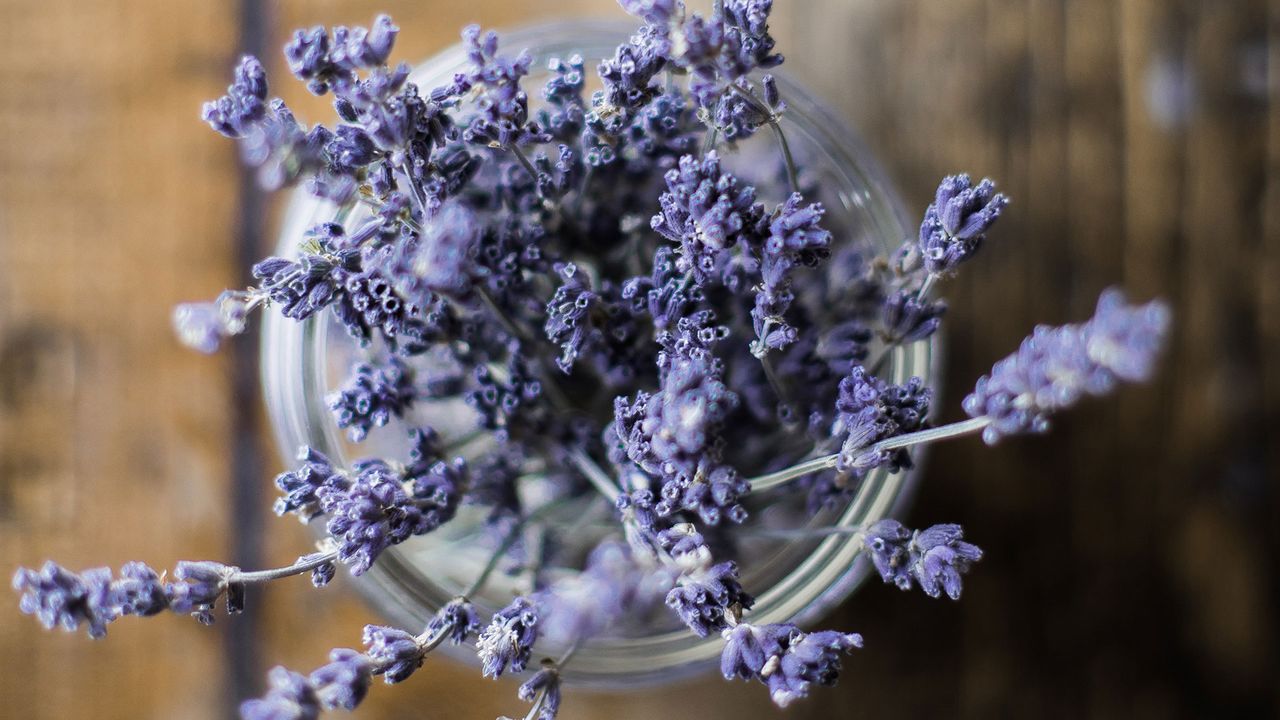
(395, 654)
(955, 224)
(344, 681)
(507, 642)
(290, 697)
(456, 621)
(1056, 366)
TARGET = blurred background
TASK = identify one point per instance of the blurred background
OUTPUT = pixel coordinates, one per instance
(1132, 554)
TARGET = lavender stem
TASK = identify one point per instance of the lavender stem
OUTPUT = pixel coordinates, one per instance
(826, 462)
(297, 568)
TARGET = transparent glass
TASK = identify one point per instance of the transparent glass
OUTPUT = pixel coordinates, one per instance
(793, 580)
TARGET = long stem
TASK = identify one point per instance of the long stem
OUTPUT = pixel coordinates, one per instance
(595, 475)
(958, 429)
(297, 568)
(772, 119)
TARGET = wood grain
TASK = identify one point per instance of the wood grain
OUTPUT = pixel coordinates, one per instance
(1131, 567)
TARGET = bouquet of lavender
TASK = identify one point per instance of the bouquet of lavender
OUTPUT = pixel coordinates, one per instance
(631, 325)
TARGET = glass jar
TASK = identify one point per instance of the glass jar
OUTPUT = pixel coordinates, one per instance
(793, 580)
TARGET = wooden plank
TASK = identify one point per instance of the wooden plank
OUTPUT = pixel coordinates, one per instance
(114, 204)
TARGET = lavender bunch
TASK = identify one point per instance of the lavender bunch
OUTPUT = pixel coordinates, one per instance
(617, 319)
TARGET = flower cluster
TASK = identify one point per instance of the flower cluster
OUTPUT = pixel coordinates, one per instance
(1057, 366)
(624, 306)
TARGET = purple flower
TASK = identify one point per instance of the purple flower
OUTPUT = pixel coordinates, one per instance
(290, 697)
(507, 642)
(568, 324)
(198, 585)
(394, 653)
(203, 326)
(456, 621)
(785, 658)
(706, 211)
(502, 120)
(439, 261)
(375, 511)
(629, 76)
(301, 487)
(870, 410)
(935, 558)
(325, 62)
(956, 223)
(940, 557)
(705, 592)
(605, 592)
(908, 318)
(344, 681)
(244, 106)
(1056, 366)
(61, 598)
(372, 395)
(544, 684)
(654, 12)
(794, 237)
(139, 591)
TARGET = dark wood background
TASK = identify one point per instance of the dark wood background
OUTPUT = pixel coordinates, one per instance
(1132, 554)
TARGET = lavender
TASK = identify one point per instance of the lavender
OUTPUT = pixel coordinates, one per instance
(610, 312)
(1056, 366)
(291, 697)
(786, 659)
(957, 221)
(372, 395)
(395, 654)
(506, 644)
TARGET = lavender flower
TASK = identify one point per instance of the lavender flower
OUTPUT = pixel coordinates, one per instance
(203, 326)
(344, 681)
(908, 318)
(935, 558)
(706, 593)
(301, 487)
(785, 658)
(706, 211)
(870, 410)
(957, 221)
(198, 586)
(394, 654)
(503, 117)
(456, 621)
(1056, 366)
(373, 511)
(543, 689)
(372, 395)
(325, 62)
(61, 598)
(941, 557)
(244, 106)
(507, 642)
(567, 323)
(794, 238)
(291, 697)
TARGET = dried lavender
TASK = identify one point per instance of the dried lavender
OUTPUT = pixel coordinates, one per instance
(617, 315)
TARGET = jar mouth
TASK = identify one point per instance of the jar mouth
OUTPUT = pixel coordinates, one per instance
(805, 578)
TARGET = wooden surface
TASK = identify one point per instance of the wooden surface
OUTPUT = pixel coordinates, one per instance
(1132, 564)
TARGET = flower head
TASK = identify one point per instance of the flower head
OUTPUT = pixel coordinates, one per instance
(394, 653)
(1056, 366)
(507, 642)
(956, 223)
